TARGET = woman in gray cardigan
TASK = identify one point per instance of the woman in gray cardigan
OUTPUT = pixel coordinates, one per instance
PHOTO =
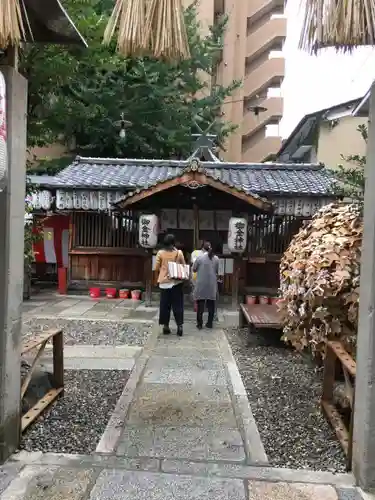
(205, 292)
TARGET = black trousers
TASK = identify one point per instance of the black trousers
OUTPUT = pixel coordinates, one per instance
(200, 310)
(171, 298)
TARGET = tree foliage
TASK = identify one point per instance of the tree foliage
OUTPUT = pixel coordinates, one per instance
(79, 94)
(352, 179)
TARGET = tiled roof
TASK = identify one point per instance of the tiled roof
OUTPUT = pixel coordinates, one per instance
(260, 178)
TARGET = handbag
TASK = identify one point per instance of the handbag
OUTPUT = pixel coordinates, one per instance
(177, 271)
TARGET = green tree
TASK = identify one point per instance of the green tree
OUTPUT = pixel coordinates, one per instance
(79, 94)
(352, 178)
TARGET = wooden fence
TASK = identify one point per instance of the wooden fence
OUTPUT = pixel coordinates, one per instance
(335, 356)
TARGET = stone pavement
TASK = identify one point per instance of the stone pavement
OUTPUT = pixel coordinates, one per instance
(182, 429)
(81, 307)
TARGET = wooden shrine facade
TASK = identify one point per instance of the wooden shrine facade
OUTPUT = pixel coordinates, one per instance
(104, 198)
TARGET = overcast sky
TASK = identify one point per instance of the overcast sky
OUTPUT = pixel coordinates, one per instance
(315, 82)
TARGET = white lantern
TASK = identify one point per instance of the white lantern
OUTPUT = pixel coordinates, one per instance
(69, 200)
(148, 231)
(110, 199)
(36, 200)
(46, 199)
(77, 203)
(237, 234)
(102, 201)
(85, 200)
(94, 200)
(60, 199)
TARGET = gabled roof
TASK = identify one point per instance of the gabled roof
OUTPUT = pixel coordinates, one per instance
(195, 174)
(260, 179)
(303, 132)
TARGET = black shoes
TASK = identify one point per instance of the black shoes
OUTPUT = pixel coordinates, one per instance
(166, 330)
(207, 325)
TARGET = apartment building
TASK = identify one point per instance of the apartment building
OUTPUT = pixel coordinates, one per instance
(253, 54)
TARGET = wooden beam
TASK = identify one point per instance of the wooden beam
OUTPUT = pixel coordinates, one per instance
(107, 251)
(201, 179)
(247, 198)
(162, 186)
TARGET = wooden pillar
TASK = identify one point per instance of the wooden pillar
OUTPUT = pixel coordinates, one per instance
(196, 227)
(236, 281)
(148, 278)
(12, 225)
(71, 245)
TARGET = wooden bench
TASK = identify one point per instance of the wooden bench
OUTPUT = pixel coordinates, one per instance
(259, 317)
(38, 343)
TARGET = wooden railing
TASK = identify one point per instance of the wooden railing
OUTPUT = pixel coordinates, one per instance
(271, 234)
(92, 230)
(39, 343)
(336, 354)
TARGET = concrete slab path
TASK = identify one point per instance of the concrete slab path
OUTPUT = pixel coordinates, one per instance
(182, 430)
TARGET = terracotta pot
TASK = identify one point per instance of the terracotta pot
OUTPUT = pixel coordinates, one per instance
(136, 295)
(263, 300)
(124, 294)
(250, 300)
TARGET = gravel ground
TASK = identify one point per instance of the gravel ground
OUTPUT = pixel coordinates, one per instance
(76, 422)
(284, 390)
(89, 332)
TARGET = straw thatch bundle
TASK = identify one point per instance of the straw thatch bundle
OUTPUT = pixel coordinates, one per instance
(343, 24)
(12, 30)
(319, 280)
(152, 27)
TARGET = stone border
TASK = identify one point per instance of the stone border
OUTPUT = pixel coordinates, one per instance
(148, 322)
(254, 449)
(110, 437)
(190, 468)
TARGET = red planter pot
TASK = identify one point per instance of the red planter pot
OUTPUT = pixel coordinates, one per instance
(136, 295)
(124, 294)
(111, 293)
(94, 293)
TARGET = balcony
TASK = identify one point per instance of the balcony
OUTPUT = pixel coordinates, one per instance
(257, 151)
(270, 73)
(259, 8)
(251, 123)
(267, 36)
